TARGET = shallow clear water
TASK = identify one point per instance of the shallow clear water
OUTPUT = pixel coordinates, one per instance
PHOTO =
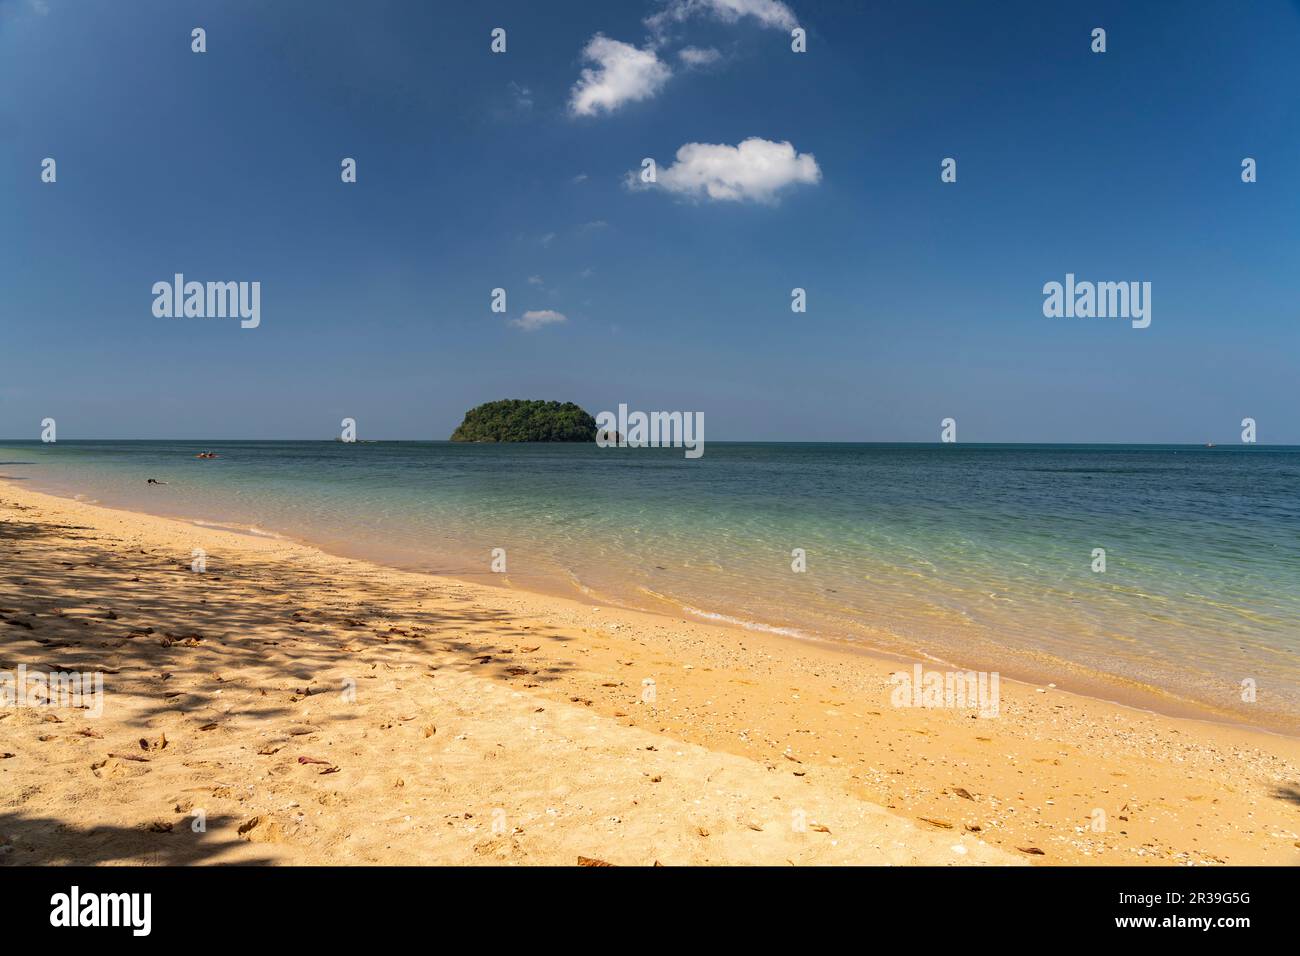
(979, 555)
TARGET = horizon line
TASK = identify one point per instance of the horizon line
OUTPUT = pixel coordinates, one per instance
(713, 441)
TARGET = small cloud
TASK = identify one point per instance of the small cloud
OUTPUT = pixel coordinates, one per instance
(547, 239)
(695, 57)
(534, 280)
(758, 169)
(534, 320)
(769, 13)
(594, 226)
(522, 96)
(580, 178)
(587, 273)
(623, 74)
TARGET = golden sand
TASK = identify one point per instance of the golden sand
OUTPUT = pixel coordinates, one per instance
(311, 709)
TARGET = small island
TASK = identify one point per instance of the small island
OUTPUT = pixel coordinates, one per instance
(515, 419)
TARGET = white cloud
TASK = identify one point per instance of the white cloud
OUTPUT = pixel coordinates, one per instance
(534, 280)
(522, 96)
(580, 178)
(769, 13)
(547, 239)
(695, 56)
(532, 321)
(623, 74)
(756, 170)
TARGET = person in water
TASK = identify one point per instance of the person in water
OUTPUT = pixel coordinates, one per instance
(155, 481)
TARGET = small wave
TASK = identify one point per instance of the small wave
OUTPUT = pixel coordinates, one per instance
(582, 588)
(747, 625)
(238, 529)
(725, 618)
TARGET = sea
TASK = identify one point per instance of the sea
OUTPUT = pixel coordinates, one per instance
(1162, 575)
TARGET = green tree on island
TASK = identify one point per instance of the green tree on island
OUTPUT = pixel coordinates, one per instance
(514, 419)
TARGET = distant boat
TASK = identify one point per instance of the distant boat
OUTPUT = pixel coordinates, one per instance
(1209, 444)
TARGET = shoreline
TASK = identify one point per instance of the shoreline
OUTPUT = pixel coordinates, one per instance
(773, 711)
(1098, 685)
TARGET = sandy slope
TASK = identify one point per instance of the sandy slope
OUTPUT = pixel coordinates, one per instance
(459, 723)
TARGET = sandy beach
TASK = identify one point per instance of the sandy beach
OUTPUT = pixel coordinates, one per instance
(310, 709)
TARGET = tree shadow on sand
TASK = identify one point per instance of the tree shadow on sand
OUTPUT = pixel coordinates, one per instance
(44, 841)
(267, 630)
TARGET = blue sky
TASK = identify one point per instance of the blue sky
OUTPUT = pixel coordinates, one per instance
(479, 170)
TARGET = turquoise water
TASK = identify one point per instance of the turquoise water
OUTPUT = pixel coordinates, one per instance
(977, 555)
